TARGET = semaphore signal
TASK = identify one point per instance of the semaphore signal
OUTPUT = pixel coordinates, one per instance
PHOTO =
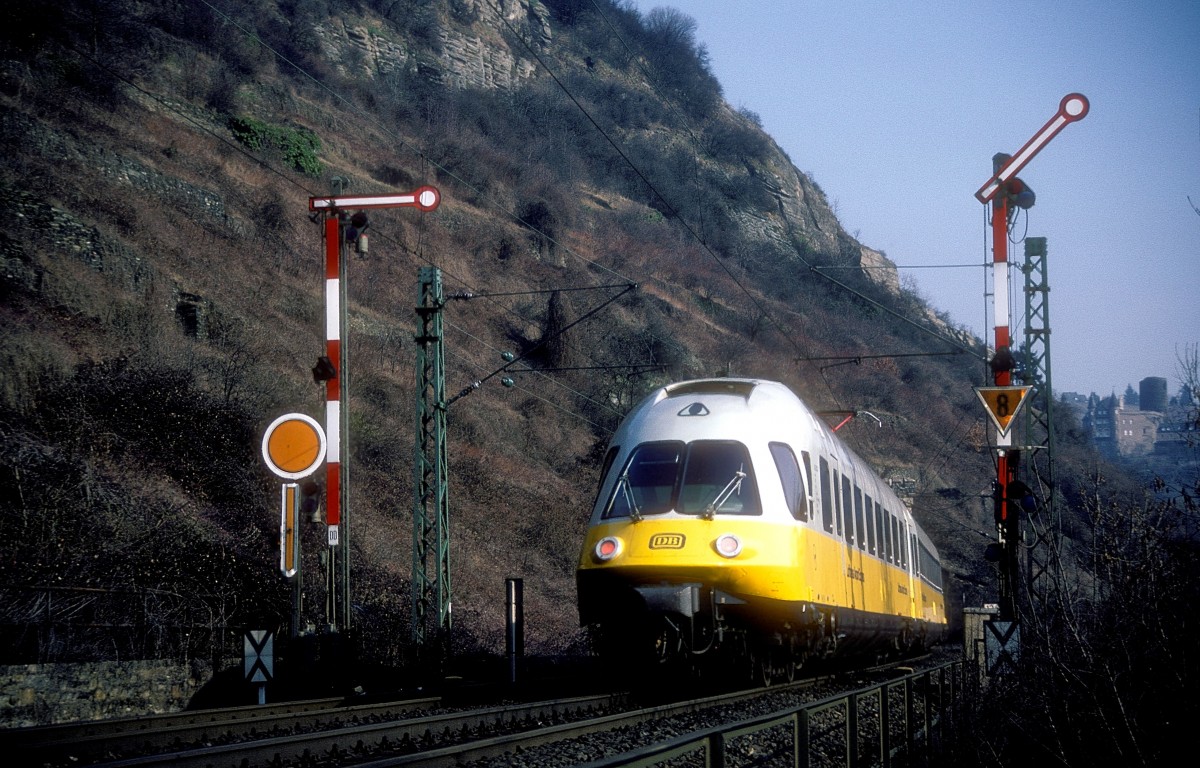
(1003, 189)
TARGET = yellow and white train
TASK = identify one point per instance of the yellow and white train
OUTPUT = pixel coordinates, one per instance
(732, 523)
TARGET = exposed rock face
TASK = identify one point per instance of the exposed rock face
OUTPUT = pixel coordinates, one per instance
(471, 62)
(359, 51)
(804, 215)
(803, 221)
(879, 269)
(472, 48)
(476, 45)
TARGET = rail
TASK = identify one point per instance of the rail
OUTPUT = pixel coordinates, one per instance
(900, 716)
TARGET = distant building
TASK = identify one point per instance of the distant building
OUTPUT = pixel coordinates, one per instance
(1153, 393)
(1075, 403)
(1147, 423)
(1178, 432)
(1118, 430)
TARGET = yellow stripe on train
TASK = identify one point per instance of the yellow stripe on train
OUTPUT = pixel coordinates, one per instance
(774, 561)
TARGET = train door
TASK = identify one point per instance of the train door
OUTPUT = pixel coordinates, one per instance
(910, 566)
(919, 588)
(857, 574)
(874, 582)
(806, 464)
(899, 580)
(886, 589)
(843, 561)
(796, 489)
(827, 558)
(849, 550)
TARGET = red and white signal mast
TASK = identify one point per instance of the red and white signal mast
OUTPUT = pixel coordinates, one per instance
(342, 230)
(1003, 190)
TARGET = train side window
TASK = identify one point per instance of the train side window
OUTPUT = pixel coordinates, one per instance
(869, 511)
(847, 515)
(892, 557)
(826, 497)
(609, 458)
(860, 527)
(839, 517)
(806, 461)
(929, 566)
(879, 534)
(647, 484)
(792, 480)
(931, 570)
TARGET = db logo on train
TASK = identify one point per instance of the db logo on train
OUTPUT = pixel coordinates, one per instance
(667, 541)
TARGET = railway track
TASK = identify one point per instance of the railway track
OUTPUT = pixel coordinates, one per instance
(341, 736)
(420, 732)
(563, 744)
(85, 742)
(432, 740)
(868, 718)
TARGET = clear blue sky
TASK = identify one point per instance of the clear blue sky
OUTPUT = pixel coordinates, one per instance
(896, 108)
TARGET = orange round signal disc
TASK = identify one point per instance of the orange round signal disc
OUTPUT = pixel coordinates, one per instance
(294, 446)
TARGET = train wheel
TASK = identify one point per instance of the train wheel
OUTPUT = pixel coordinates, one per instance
(667, 645)
(789, 668)
(760, 668)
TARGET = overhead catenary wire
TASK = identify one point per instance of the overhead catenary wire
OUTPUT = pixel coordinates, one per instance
(380, 125)
(310, 192)
(476, 384)
(860, 267)
(491, 294)
(695, 236)
(953, 342)
(859, 358)
(768, 315)
(488, 295)
(550, 379)
(424, 156)
(817, 269)
(551, 403)
(754, 299)
(649, 184)
(811, 266)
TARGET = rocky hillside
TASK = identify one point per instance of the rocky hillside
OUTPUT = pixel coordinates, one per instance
(162, 299)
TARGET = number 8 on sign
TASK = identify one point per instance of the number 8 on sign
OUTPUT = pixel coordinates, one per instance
(999, 404)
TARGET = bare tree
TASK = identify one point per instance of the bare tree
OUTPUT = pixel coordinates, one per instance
(1187, 366)
(558, 341)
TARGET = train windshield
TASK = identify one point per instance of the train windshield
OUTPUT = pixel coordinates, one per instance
(704, 478)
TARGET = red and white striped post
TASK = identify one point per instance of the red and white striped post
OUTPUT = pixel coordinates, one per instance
(337, 494)
(1002, 360)
(1073, 107)
(333, 387)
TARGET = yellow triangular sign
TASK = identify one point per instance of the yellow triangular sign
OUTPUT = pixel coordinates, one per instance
(1002, 403)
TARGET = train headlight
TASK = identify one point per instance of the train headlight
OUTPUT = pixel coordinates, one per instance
(607, 548)
(728, 545)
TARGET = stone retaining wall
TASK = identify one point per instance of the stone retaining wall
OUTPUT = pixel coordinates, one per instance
(42, 694)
